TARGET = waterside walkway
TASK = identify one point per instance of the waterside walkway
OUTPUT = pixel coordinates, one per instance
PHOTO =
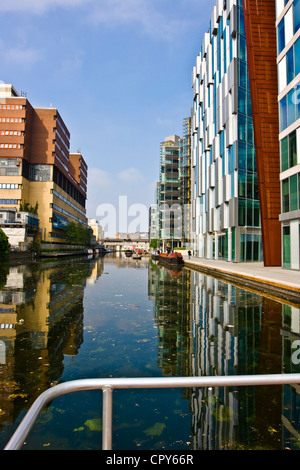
(274, 281)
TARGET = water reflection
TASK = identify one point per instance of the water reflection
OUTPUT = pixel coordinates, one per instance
(117, 316)
(41, 315)
(236, 331)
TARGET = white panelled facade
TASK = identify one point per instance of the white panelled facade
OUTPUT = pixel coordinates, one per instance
(288, 62)
(225, 205)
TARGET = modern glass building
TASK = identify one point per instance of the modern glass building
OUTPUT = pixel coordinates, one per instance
(288, 60)
(226, 222)
(185, 180)
(168, 199)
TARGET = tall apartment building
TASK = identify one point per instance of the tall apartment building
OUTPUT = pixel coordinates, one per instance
(235, 155)
(225, 205)
(36, 165)
(168, 200)
(185, 179)
(288, 60)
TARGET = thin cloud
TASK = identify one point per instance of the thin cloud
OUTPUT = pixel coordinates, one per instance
(130, 175)
(141, 13)
(37, 7)
(19, 55)
(109, 13)
(99, 178)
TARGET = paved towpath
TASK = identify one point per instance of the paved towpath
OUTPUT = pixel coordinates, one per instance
(277, 279)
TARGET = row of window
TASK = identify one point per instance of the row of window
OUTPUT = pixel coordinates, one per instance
(62, 211)
(289, 108)
(11, 146)
(288, 26)
(11, 106)
(11, 133)
(9, 186)
(7, 119)
(9, 202)
(291, 193)
(55, 193)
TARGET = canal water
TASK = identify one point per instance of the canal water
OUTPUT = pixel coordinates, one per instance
(120, 317)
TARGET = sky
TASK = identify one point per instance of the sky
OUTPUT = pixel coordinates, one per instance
(120, 74)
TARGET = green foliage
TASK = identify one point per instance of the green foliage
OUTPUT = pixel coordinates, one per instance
(4, 245)
(4, 270)
(26, 207)
(154, 243)
(77, 234)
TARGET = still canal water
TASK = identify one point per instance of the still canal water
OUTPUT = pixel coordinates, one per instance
(119, 317)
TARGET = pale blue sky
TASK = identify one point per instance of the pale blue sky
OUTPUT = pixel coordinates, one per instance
(120, 74)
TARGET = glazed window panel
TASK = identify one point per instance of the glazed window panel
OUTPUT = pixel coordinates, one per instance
(292, 149)
(288, 151)
(283, 113)
(242, 212)
(293, 193)
(285, 196)
(286, 247)
(296, 8)
(242, 128)
(242, 184)
(242, 156)
(290, 65)
(284, 147)
(291, 109)
(281, 36)
(297, 56)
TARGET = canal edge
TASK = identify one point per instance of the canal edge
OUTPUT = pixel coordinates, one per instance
(273, 289)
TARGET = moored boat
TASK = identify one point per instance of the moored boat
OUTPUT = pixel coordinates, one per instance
(172, 258)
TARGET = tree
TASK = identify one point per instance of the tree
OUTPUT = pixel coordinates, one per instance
(77, 234)
(4, 245)
(26, 207)
(154, 243)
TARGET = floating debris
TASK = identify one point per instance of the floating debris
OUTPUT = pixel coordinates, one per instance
(94, 424)
(155, 430)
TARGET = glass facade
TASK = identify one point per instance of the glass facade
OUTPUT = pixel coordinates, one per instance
(288, 22)
(226, 212)
(170, 229)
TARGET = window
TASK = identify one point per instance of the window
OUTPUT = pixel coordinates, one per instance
(290, 193)
(242, 123)
(293, 193)
(280, 36)
(284, 150)
(297, 56)
(292, 149)
(285, 196)
(286, 247)
(283, 113)
(296, 7)
(290, 66)
(289, 108)
(39, 173)
(242, 184)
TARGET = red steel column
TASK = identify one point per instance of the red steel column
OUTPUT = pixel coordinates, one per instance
(260, 29)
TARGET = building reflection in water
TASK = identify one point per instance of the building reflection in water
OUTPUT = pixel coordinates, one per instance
(210, 328)
(204, 327)
(41, 315)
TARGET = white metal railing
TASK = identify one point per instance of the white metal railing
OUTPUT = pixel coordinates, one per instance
(111, 384)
